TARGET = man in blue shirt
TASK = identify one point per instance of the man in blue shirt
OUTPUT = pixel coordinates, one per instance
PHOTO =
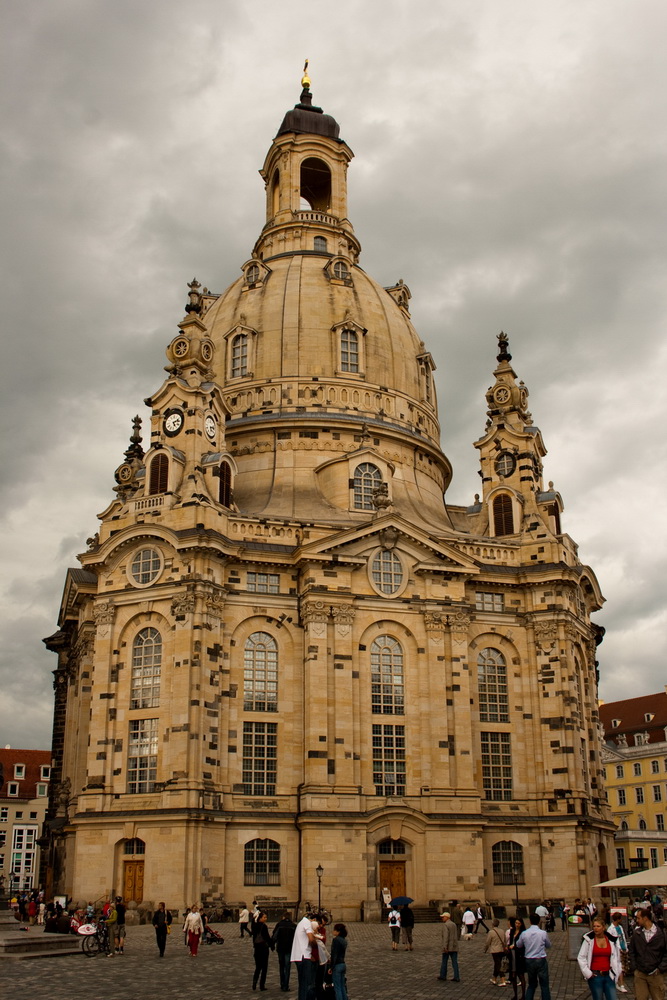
(535, 943)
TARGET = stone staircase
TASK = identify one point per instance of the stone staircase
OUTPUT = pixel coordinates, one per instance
(425, 914)
(22, 941)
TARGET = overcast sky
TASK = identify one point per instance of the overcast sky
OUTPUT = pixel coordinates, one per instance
(511, 167)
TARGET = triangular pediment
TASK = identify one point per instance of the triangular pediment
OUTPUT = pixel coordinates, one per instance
(392, 531)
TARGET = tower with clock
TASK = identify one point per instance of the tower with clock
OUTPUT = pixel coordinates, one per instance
(283, 641)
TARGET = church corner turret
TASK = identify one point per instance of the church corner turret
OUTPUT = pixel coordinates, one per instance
(279, 611)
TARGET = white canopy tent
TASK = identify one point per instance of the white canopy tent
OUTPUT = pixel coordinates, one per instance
(649, 877)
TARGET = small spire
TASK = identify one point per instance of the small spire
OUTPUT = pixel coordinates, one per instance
(503, 344)
(135, 450)
(194, 305)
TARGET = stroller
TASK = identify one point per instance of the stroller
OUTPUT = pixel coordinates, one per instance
(211, 936)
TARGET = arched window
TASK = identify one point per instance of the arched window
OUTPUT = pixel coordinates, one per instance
(507, 858)
(146, 669)
(159, 478)
(239, 365)
(260, 673)
(316, 184)
(624, 825)
(492, 686)
(261, 862)
(503, 519)
(225, 491)
(391, 847)
(387, 689)
(341, 270)
(642, 824)
(349, 351)
(367, 477)
(134, 846)
(320, 244)
(275, 192)
(387, 572)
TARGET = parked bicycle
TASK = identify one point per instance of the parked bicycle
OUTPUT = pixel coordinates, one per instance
(95, 938)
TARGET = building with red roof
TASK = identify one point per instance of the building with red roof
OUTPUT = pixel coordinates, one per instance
(24, 796)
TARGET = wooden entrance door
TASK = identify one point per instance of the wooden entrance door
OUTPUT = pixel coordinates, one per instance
(133, 882)
(392, 877)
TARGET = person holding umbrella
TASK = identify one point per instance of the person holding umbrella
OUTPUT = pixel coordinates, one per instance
(407, 919)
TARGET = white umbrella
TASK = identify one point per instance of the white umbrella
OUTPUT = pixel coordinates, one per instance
(651, 876)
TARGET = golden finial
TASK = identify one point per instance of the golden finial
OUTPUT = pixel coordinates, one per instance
(305, 79)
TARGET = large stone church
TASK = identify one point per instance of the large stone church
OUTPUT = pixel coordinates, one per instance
(284, 649)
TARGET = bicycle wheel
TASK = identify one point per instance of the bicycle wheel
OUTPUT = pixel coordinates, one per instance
(90, 945)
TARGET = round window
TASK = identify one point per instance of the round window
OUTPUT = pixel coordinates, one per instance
(146, 567)
(386, 572)
(505, 464)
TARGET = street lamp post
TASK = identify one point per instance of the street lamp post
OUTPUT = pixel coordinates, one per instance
(515, 873)
(319, 871)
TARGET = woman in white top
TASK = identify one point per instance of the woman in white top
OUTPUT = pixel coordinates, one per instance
(394, 921)
(469, 921)
(194, 929)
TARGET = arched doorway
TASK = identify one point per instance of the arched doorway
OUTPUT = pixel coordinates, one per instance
(392, 856)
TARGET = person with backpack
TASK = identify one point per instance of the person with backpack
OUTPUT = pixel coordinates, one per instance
(394, 921)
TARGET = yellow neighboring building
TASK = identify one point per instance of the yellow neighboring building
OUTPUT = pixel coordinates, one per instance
(635, 768)
(284, 649)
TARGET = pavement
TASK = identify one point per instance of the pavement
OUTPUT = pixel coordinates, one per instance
(374, 971)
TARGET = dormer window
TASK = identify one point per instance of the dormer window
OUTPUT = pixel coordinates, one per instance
(367, 478)
(649, 717)
(252, 274)
(615, 723)
(349, 351)
(239, 366)
(341, 270)
(19, 770)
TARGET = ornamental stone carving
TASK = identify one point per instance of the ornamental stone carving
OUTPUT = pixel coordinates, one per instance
(104, 614)
(314, 612)
(343, 616)
(545, 636)
(215, 604)
(459, 621)
(183, 605)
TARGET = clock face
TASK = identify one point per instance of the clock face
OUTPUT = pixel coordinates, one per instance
(173, 422)
(502, 394)
(505, 464)
(209, 426)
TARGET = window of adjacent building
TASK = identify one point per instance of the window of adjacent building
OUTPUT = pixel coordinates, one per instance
(637, 769)
(24, 841)
(239, 366)
(620, 857)
(261, 863)
(492, 686)
(389, 766)
(19, 771)
(225, 485)
(604, 773)
(624, 825)
(619, 770)
(4, 814)
(639, 795)
(264, 583)
(3, 838)
(655, 767)
(387, 689)
(664, 853)
(260, 673)
(2, 861)
(12, 788)
(159, 475)
(640, 852)
(146, 567)
(320, 244)
(42, 789)
(621, 797)
(142, 755)
(496, 766)
(657, 793)
(487, 601)
(654, 857)
(134, 846)
(146, 669)
(641, 739)
(260, 756)
(367, 477)
(659, 821)
(341, 270)
(642, 824)
(503, 518)
(349, 351)
(45, 772)
(387, 572)
(507, 860)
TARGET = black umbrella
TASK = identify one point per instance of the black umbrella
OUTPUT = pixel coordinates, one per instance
(401, 901)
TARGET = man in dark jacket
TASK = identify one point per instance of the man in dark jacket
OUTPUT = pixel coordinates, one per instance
(647, 949)
(407, 926)
(282, 939)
